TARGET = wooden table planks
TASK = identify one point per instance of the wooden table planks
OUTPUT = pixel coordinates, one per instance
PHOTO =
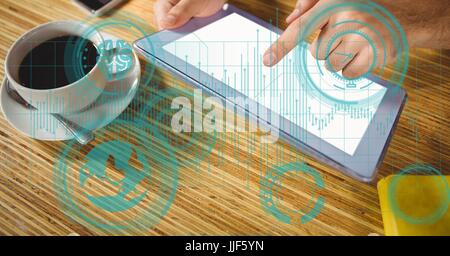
(220, 195)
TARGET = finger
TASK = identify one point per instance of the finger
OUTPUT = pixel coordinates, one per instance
(283, 45)
(338, 59)
(360, 65)
(344, 53)
(383, 48)
(301, 7)
(182, 12)
(289, 39)
(210, 8)
(161, 9)
(319, 48)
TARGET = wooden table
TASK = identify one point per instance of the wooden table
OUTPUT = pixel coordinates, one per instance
(219, 195)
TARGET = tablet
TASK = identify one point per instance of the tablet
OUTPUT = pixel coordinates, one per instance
(222, 54)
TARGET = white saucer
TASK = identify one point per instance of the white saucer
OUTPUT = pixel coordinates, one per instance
(43, 126)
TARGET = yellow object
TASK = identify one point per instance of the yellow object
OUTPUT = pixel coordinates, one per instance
(415, 205)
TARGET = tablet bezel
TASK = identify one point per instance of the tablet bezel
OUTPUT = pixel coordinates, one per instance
(372, 146)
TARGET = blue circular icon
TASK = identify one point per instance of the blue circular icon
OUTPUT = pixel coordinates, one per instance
(115, 55)
(419, 169)
(159, 109)
(128, 180)
(270, 185)
(332, 87)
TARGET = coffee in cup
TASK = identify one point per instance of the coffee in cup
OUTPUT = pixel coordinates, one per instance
(45, 66)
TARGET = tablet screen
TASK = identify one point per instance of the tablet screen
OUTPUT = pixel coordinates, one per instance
(231, 50)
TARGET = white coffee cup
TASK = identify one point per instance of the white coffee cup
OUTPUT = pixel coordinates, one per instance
(68, 98)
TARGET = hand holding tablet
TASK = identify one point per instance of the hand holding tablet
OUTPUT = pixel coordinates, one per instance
(170, 14)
